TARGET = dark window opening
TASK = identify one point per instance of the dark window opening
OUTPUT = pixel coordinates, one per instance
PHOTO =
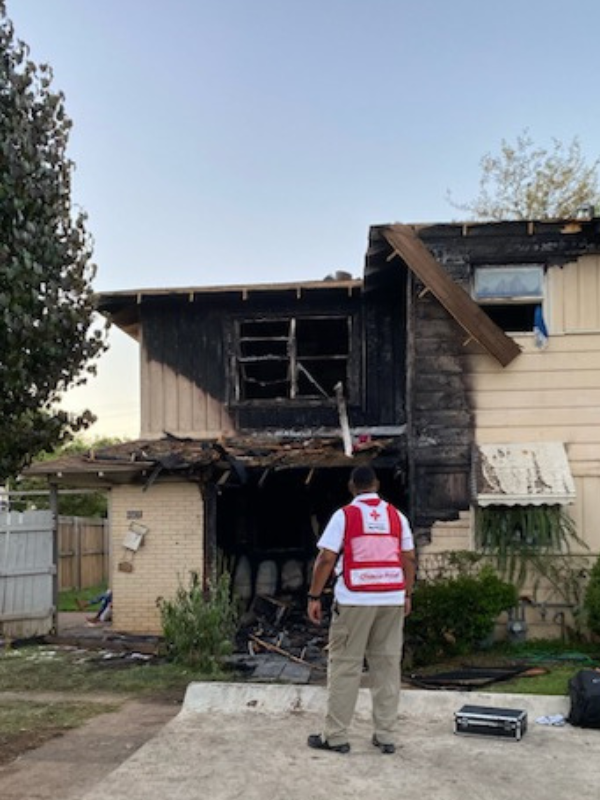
(513, 318)
(320, 375)
(264, 379)
(292, 358)
(321, 337)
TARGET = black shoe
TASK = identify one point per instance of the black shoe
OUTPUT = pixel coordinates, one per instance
(388, 749)
(319, 743)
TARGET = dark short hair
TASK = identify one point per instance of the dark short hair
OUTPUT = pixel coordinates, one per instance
(363, 477)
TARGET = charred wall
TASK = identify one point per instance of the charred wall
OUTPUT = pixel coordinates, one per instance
(385, 349)
(188, 338)
(442, 423)
(199, 338)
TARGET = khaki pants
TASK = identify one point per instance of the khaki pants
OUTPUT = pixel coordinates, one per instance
(356, 633)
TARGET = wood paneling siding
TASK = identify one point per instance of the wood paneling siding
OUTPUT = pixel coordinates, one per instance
(441, 425)
(188, 360)
(183, 380)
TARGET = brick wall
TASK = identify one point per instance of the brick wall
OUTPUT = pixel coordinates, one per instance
(173, 546)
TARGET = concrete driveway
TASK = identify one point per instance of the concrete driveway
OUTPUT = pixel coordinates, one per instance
(249, 741)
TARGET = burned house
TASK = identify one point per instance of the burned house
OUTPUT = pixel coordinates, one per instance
(257, 401)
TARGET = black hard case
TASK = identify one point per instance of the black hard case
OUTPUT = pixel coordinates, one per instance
(505, 723)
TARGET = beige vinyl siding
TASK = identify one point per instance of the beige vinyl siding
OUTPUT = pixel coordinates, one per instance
(553, 394)
(574, 296)
(171, 402)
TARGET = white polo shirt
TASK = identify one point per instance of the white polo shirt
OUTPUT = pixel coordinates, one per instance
(332, 538)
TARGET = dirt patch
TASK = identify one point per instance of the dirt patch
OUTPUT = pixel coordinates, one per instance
(27, 723)
(13, 745)
(66, 763)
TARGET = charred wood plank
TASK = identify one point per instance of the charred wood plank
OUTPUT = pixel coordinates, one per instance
(280, 651)
(453, 297)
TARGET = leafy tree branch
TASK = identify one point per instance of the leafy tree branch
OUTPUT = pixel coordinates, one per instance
(47, 343)
(525, 181)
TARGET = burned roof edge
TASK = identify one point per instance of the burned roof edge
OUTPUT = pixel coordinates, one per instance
(175, 455)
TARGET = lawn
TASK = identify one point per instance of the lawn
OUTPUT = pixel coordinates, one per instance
(552, 664)
(68, 599)
(64, 669)
(555, 681)
(76, 674)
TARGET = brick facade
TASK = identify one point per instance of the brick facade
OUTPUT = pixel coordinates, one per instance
(172, 548)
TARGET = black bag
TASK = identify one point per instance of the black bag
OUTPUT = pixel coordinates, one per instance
(584, 691)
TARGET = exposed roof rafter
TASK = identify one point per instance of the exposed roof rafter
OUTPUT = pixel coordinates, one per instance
(405, 243)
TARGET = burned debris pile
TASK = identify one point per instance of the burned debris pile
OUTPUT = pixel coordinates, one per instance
(276, 641)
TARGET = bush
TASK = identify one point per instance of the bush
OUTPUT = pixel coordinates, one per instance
(454, 615)
(521, 540)
(198, 625)
(591, 602)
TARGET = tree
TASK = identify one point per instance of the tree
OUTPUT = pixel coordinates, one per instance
(47, 342)
(77, 504)
(525, 181)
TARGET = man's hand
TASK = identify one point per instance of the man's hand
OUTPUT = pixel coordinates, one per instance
(315, 611)
(324, 564)
(407, 605)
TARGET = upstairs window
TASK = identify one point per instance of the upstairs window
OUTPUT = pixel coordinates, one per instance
(510, 295)
(291, 359)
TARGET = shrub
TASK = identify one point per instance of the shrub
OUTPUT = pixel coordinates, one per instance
(454, 615)
(520, 539)
(591, 602)
(198, 625)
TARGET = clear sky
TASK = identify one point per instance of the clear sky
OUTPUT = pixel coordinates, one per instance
(243, 141)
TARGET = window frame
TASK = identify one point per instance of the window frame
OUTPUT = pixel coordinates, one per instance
(294, 361)
(495, 303)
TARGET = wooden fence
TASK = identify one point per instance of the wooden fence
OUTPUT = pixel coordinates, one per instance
(83, 550)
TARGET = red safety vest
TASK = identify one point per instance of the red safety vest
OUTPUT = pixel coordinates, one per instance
(372, 547)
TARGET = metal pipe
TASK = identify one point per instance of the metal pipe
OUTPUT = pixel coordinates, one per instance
(55, 555)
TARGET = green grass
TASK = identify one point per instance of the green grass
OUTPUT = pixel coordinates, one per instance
(559, 660)
(67, 599)
(52, 668)
(44, 668)
(16, 716)
(555, 682)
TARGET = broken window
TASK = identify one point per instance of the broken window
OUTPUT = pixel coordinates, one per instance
(512, 296)
(301, 357)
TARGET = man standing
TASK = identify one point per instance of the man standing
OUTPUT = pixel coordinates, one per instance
(370, 546)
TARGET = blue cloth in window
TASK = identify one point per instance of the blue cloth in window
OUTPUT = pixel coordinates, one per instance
(539, 328)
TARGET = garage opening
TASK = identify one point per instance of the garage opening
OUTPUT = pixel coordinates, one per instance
(267, 528)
